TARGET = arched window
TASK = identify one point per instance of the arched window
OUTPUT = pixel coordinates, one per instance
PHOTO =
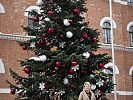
(30, 21)
(131, 35)
(30, 12)
(109, 71)
(106, 32)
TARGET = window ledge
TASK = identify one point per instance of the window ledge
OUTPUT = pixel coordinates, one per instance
(116, 47)
(15, 37)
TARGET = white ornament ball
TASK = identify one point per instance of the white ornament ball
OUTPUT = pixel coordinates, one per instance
(93, 87)
(35, 58)
(39, 2)
(86, 54)
(43, 57)
(66, 22)
(65, 81)
(69, 34)
(47, 19)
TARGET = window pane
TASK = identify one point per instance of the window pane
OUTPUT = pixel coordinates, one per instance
(130, 1)
(110, 72)
(30, 23)
(107, 32)
(131, 35)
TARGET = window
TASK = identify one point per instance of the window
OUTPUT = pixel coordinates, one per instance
(2, 69)
(130, 1)
(131, 35)
(31, 23)
(109, 71)
(107, 32)
(2, 10)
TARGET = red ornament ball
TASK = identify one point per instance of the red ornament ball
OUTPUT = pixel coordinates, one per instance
(36, 19)
(44, 35)
(50, 12)
(76, 11)
(101, 65)
(24, 47)
(27, 70)
(47, 72)
(71, 71)
(58, 64)
(12, 91)
(94, 39)
(42, 42)
(62, 36)
(46, 85)
(73, 63)
(85, 35)
(51, 30)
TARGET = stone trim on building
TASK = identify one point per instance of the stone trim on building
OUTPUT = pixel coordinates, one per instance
(107, 19)
(24, 38)
(129, 25)
(15, 37)
(30, 8)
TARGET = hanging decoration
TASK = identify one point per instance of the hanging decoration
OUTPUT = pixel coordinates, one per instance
(69, 34)
(36, 19)
(73, 63)
(27, 70)
(43, 58)
(47, 19)
(93, 87)
(50, 12)
(66, 22)
(62, 44)
(85, 35)
(76, 11)
(12, 91)
(58, 9)
(57, 64)
(75, 68)
(41, 86)
(101, 65)
(86, 54)
(65, 81)
(24, 47)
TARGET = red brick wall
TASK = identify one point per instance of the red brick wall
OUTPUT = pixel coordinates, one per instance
(13, 18)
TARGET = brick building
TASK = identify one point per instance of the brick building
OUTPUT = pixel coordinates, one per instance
(13, 14)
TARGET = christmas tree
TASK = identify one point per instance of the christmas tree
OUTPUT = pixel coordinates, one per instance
(65, 58)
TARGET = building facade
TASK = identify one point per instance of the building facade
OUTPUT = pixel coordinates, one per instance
(14, 13)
